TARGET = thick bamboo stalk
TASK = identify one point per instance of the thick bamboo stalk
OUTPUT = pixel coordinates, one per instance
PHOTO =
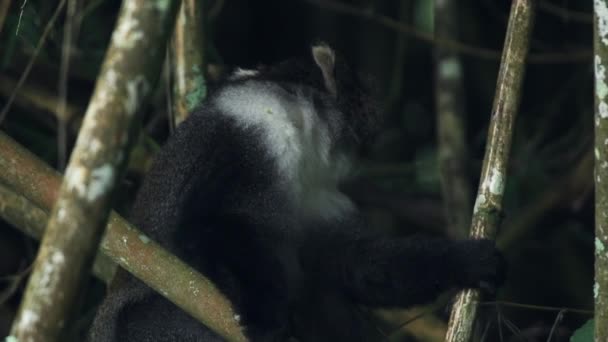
(129, 72)
(188, 59)
(600, 287)
(488, 204)
(30, 177)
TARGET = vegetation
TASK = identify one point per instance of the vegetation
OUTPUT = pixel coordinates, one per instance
(435, 69)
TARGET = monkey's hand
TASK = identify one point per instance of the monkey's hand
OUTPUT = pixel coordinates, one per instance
(481, 265)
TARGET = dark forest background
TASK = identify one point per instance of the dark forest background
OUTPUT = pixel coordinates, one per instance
(547, 230)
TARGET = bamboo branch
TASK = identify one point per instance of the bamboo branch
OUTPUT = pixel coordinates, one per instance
(30, 219)
(4, 6)
(600, 287)
(76, 223)
(582, 56)
(488, 205)
(33, 97)
(565, 14)
(30, 63)
(165, 273)
(188, 57)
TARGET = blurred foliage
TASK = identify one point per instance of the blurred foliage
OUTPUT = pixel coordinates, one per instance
(424, 13)
(548, 197)
(584, 333)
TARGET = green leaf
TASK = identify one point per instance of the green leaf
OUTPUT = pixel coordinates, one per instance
(584, 333)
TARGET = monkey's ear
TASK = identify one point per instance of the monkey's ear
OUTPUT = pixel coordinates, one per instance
(325, 58)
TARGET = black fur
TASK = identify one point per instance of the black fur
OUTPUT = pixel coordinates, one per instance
(216, 199)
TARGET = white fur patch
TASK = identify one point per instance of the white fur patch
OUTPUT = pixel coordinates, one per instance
(299, 141)
(242, 73)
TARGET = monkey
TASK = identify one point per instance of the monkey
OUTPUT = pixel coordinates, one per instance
(247, 191)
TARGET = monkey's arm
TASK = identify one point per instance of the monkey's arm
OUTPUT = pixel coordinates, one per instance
(389, 272)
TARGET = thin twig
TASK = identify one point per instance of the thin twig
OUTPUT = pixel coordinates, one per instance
(560, 316)
(88, 9)
(408, 321)
(514, 329)
(465, 49)
(537, 307)
(566, 14)
(70, 32)
(484, 334)
(20, 16)
(14, 282)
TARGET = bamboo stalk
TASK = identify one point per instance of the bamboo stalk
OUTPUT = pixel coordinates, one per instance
(76, 223)
(32, 178)
(600, 287)
(488, 204)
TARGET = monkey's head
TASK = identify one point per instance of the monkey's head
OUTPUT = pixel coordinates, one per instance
(351, 93)
(354, 119)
